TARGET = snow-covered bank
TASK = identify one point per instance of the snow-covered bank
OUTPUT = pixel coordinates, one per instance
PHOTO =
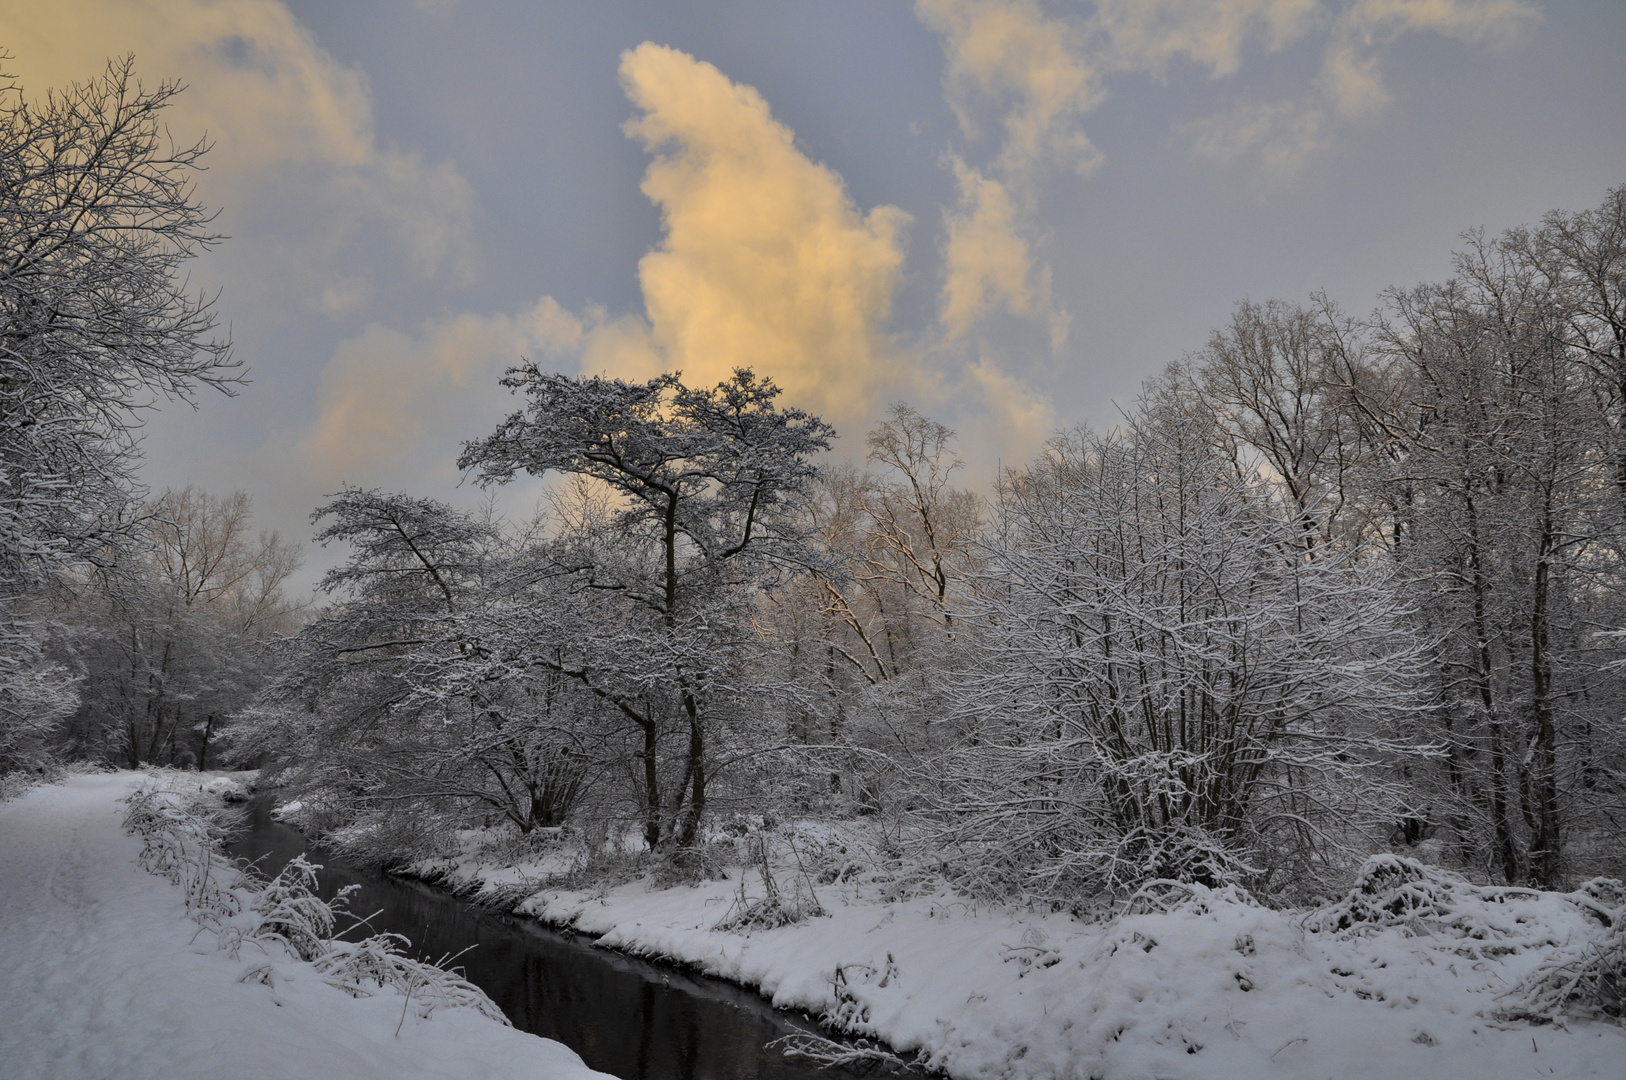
(102, 975)
(1211, 987)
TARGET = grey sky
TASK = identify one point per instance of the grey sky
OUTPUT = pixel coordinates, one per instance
(404, 185)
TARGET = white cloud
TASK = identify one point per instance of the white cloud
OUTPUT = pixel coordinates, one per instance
(1351, 77)
(1281, 136)
(1146, 35)
(1032, 67)
(1043, 68)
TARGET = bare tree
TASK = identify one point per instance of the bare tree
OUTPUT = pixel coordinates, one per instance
(1157, 692)
(97, 222)
(412, 696)
(1510, 531)
(170, 635)
(1273, 386)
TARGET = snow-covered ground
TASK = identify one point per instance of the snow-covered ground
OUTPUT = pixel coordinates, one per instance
(1215, 987)
(102, 975)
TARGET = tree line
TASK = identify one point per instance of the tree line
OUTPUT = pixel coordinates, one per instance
(130, 622)
(1329, 584)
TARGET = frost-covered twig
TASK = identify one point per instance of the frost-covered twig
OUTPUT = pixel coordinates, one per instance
(827, 1053)
(382, 961)
(291, 912)
(179, 837)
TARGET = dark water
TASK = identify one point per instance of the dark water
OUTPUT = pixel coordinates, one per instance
(636, 1020)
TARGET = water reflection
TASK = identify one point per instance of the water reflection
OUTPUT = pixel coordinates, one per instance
(636, 1020)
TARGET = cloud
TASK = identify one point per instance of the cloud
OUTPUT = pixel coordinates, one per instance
(384, 394)
(1031, 67)
(988, 264)
(1282, 136)
(1278, 137)
(1012, 422)
(1350, 76)
(1147, 35)
(1044, 67)
(765, 261)
(284, 115)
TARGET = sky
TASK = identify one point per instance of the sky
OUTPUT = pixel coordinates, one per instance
(1007, 213)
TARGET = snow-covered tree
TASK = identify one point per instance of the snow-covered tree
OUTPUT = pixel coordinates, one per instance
(1509, 518)
(97, 223)
(1165, 685)
(708, 487)
(170, 637)
(404, 697)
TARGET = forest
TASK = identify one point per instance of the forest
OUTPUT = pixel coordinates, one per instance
(1333, 584)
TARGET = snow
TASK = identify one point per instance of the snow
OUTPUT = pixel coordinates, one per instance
(226, 789)
(1214, 986)
(104, 976)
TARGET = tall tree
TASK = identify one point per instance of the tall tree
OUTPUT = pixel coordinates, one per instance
(1160, 690)
(709, 484)
(170, 636)
(97, 222)
(1510, 531)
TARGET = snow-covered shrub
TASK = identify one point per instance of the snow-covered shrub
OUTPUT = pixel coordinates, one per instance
(1164, 895)
(691, 865)
(179, 841)
(291, 912)
(1392, 890)
(1586, 978)
(1163, 685)
(776, 906)
(381, 960)
(226, 789)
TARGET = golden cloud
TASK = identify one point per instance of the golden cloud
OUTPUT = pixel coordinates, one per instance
(385, 393)
(765, 262)
(1012, 52)
(987, 262)
(279, 109)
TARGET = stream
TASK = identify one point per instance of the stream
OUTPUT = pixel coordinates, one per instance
(634, 1019)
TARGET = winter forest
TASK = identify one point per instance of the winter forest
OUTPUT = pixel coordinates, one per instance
(1347, 578)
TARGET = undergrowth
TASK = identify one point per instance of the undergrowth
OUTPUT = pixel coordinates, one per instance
(180, 836)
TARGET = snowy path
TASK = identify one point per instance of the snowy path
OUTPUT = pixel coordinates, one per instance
(100, 977)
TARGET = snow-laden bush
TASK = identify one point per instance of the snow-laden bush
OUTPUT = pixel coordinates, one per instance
(291, 913)
(226, 789)
(1163, 685)
(1164, 895)
(1585, 978)
(1392, 890)
(382, 961)
(180, 838)
(1582, 970)
(776, 906)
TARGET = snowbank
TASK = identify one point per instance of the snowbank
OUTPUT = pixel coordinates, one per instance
(106, 977)
(1191, 984)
